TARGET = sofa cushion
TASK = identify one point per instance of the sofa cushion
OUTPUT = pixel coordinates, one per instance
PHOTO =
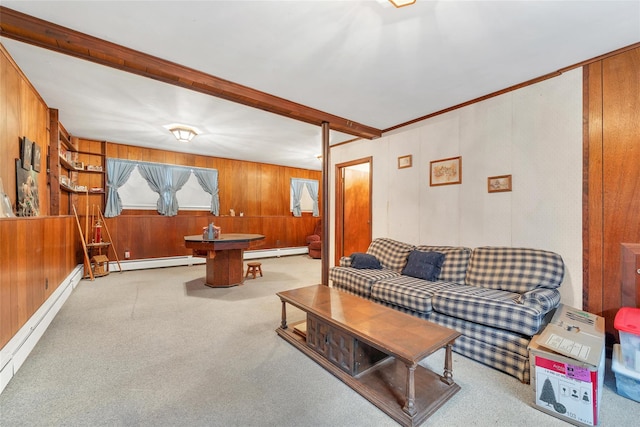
(358, 281)
(361, 260)
(407, 292)
(423, 265)
(514, 269)
(490, 307)
(454, 267)
(391, 253)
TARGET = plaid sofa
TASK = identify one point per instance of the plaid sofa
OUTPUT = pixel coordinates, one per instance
(497, 297)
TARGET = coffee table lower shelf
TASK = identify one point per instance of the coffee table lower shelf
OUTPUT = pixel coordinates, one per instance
(385, 383)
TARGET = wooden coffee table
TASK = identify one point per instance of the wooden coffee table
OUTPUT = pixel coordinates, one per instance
(373, 349)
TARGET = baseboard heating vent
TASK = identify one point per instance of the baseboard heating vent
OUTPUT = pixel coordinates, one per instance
(141, 264)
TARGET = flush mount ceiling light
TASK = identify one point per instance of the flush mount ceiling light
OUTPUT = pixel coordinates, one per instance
(402, 3)
(183, 133)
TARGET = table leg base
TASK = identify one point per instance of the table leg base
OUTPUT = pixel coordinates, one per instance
(225, 269)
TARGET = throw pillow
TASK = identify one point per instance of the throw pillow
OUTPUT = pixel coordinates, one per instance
(424, 265)
(362, 260)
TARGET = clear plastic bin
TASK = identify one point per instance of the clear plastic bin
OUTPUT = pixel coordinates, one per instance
(627, 322)
(627, 380)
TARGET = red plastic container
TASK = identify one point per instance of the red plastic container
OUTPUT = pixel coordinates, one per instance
(627, 322)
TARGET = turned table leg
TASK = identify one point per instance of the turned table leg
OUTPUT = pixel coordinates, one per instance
(283, 324)
(447, 377)
(410, 403)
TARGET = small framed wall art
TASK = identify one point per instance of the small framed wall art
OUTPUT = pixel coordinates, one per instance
(36, 158)
(498, 184)
(405, 161)
(446, 171)
(26, 147)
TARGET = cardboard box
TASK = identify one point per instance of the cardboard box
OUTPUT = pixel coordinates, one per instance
(567, 366)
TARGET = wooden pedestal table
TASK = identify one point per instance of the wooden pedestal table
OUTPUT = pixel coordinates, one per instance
(224, 256)
(373, 349)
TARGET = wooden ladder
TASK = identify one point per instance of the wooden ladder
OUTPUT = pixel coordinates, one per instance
(87, 261)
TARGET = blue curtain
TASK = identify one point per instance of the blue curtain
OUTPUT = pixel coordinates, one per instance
(312, 187)
(297, 185)
(166, 181)
(208, 180)
(118, 173)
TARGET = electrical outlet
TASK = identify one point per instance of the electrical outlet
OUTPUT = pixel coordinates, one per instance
(127, 254)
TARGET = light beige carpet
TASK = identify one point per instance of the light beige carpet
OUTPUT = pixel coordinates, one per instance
(158, 348)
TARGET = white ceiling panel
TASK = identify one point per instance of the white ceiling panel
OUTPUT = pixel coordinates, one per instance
(365, 61)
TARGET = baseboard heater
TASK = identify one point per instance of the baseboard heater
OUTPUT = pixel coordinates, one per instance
(15, 352)
(141, 264)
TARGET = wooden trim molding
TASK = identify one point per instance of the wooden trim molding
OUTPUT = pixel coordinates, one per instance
(47, 35)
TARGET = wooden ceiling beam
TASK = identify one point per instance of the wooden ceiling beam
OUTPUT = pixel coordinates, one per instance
(47, 35)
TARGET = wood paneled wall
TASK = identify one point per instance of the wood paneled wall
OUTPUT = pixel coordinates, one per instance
(259, 190)
(612, 178)
(22, 113)
(36, 255)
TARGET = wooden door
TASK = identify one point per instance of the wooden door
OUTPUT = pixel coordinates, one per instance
(612, 168)
(353, 207)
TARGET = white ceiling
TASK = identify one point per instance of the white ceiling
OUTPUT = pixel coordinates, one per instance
(365, 61)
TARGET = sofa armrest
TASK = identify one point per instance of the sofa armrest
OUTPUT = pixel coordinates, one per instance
(541, 299)
(345, 261)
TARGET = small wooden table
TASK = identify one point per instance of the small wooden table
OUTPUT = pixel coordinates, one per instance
(224, 257)
(373, 349)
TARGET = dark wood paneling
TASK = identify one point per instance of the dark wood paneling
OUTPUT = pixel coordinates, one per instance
(593, 287)
(40, 256)
(22, 113)
(154, 236)
(261, 191)
(257, 189)
(613, 197)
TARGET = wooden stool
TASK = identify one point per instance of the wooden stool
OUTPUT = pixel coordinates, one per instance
(254, 268)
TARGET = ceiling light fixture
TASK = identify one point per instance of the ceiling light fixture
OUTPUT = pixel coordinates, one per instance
(182, 133)
(402, 3)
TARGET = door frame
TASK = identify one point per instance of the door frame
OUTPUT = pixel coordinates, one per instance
(339, 212)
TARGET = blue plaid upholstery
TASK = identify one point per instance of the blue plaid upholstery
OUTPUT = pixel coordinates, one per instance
(510, 341)
(409, 292)
(514, 269)
(497, 297)
(491, 307)
(345, 261)
(542, 300)
(502, 350)
(496, 357)
(391, 253)
(349, 291)
(456, 260)
(359, 281)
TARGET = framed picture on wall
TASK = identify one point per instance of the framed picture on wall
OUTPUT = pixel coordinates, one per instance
(26, 147)
(35, 160)
(498, 184)
(405, 161)
(446, 171)
(27, 201)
